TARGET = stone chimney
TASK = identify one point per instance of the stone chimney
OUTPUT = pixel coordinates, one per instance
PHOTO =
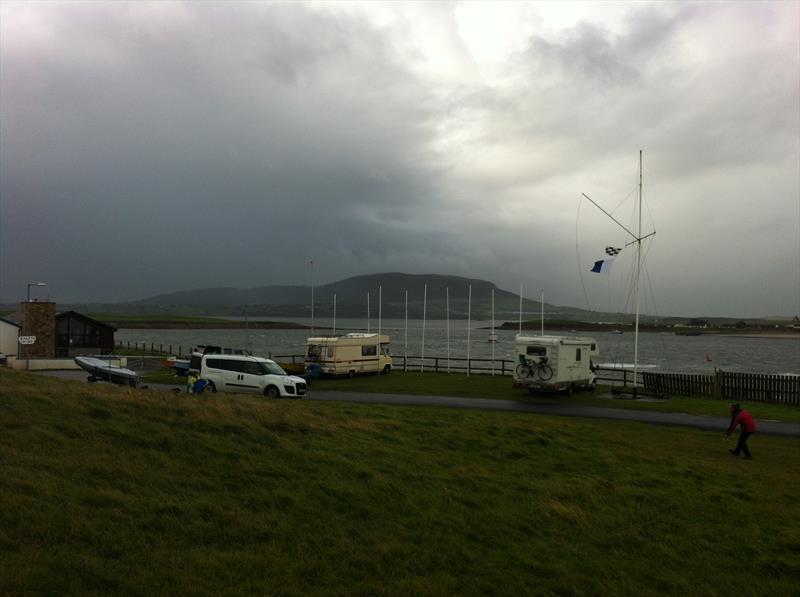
(39, 319)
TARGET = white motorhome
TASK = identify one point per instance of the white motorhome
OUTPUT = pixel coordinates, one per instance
(555, 363)
(351, 354)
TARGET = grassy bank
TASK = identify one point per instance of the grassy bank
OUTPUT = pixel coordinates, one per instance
(118, 491)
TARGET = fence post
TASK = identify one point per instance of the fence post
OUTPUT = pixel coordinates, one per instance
(436, 365)
(469, 366)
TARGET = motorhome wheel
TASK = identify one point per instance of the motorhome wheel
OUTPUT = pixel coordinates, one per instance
(351, 373)
(387, 369)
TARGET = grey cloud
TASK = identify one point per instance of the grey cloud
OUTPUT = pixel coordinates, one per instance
(147, 148)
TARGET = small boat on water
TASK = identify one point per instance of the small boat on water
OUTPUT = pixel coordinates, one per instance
(99, 369)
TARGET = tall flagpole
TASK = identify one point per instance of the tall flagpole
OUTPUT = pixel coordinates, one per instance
(405, 360)
(368, 312)
(520, 308)
(447, 309)
(334, 313)
(311, 262)
(424, 316)
(493, 340)
(541, 303)
(469, 323)
(638, 271)
(380, 346)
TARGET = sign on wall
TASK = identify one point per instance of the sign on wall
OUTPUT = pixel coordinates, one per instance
(27, 339)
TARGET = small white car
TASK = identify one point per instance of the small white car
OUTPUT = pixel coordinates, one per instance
(240, 373)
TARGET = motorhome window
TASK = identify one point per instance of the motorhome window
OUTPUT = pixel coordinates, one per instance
(313, 350)
(369, 351)
(594, 347)
(577, 355)
(330, 352)
(271, 368)
(538, 351)
(385, 349)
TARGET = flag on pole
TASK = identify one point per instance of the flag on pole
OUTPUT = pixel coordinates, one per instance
(602, 267)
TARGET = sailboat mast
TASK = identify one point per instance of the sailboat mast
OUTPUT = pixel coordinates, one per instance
(638, 274)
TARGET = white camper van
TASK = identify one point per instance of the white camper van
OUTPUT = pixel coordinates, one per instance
(554, 363)
(350, 355)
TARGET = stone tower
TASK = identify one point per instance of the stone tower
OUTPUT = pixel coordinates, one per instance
(39, 319)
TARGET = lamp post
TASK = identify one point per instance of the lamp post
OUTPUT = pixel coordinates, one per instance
(34, 284)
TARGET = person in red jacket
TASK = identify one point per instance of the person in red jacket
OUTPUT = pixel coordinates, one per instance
(748, 425)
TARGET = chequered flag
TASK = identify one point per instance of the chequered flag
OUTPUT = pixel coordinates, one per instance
(612, 252)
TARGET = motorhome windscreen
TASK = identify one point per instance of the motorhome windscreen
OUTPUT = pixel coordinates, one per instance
(271, 369)
(314, 351)
(538, 351)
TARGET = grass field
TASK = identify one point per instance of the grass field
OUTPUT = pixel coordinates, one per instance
(109, 490)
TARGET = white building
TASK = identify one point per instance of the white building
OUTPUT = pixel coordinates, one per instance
(9, 335)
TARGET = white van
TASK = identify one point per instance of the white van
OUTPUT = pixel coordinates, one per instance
(554, 363)
(241, 373)
(349, 355)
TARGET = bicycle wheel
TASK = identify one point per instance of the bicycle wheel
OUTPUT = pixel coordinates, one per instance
(523, 371)
(545, 372)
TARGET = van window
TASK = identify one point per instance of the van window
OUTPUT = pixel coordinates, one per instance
(252, 368)
(594, 347)
(578, 355)
(369, 351)
(539, 351)
(217, 364)
(330, 352)
(226, 365)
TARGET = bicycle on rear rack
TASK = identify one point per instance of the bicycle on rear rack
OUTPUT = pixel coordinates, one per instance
(530, 368)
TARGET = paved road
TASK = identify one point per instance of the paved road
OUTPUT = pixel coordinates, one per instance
(707, 422)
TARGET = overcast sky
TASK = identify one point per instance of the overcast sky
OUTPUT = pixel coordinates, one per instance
(152, 147)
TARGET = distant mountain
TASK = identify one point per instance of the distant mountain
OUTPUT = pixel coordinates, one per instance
(351, 299)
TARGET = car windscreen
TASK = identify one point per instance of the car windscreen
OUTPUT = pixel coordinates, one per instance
(272, 369)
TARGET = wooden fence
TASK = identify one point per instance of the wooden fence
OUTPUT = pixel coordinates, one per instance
(724, 385)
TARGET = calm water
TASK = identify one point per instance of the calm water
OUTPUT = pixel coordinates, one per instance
(665, 351)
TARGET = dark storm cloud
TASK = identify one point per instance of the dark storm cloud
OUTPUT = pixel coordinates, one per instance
(149, 147)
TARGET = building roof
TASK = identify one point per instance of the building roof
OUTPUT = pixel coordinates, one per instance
(10, 322)
(65, 314)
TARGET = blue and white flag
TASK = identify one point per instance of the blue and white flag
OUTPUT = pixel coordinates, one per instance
(602, 267)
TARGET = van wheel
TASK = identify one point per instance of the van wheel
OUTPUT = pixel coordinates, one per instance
(272, 392)
(351, 374)
(210, 388)
(387, 369)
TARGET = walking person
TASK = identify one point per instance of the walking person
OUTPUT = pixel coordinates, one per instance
(740, 417)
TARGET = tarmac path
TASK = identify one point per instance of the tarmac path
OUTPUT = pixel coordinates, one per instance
(706, 422)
